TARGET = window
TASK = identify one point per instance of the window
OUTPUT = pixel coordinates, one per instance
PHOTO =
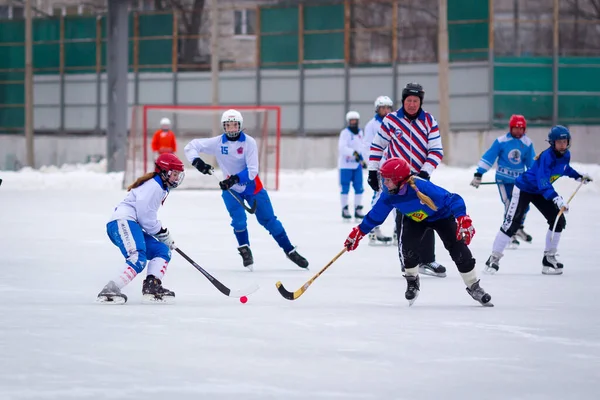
(17, 12)
(244, 22)
(4, 12)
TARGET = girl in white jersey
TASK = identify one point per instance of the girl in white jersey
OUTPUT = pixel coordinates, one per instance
(135, 229)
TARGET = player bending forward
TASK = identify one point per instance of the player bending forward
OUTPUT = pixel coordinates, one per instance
(426, 206)
(135, 229)
(535, 186)
(237, 156)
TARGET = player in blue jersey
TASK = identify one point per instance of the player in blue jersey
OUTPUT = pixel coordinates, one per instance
(351, 163)
(237, 156)
(514, 152)
(143, 240)
(426, 206)
(383, 106)
(535, 186)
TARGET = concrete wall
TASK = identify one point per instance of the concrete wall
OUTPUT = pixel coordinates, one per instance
(466, 147)
(322, 111)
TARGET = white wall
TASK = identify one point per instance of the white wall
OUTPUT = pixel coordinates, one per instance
(466, 147)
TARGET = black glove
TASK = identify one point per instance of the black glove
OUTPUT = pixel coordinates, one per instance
(373, 180)
(357, 156)
(202, 166)
(424, 175)
(226, 184)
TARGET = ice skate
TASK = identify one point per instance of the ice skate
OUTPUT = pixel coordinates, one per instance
(247, 258)
(154, 292)
(521, 234)
(432, 269)
(346, 214)
(297, 259)
(111, 294)
(358, 213)
(551, 266)
(514, 243)
(412, 288)
(492, 265)
(376, 238)
(478, 294)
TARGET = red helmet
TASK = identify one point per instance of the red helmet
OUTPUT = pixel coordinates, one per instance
(165, 164)
(395, 169)
(517, 121)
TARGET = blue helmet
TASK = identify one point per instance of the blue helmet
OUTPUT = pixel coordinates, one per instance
(559, 132)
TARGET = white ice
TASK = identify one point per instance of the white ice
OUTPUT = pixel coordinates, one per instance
(350, 336)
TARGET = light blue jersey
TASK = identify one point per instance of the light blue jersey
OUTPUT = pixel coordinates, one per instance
(514, 157)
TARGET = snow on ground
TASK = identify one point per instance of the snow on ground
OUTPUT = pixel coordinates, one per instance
(351, 336)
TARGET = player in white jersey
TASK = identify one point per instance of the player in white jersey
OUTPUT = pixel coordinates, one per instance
(237, 156)
(135, 229)
(351, 163)
(383, 106)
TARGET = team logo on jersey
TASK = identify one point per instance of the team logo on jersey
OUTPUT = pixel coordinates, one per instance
(240, 150)
(554, 177)
(514, 156)
(417, 215)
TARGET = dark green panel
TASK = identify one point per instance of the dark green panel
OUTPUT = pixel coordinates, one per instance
(12, 118)
(320, 18)
(579, 108)
(80, 44)
(279, 20)
(579, 74)
(46, 47)
(460, 10)
(523, 79)
(12, 31)
(155, 51)
(535, 108)
(468, 40)
(279, 49)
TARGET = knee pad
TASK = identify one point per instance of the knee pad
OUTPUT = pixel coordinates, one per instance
(466, 265)
(562, 223)
(273, 225)
(137, 261)
(345, 188)
(239, 225)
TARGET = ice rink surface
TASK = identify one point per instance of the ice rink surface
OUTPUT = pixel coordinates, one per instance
(350, 336)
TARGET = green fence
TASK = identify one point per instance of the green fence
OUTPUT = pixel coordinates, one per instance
(74, 45)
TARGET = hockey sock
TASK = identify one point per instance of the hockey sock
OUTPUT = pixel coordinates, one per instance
(502, 240)
(284, 242)
(357, 200)
(414, 271)
(344, 199)
(242, 237)
(552, 243)
(157, 267)
(125, 277)
(469, 278)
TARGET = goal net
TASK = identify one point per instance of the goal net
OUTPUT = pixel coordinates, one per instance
(263, 123)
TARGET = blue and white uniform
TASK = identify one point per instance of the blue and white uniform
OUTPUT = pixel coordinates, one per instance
(240, 157)
(351, 169)
(131, 228)
(514, 157)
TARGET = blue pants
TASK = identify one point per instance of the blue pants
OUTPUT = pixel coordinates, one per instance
(136, 245)
(506, 190)
(264, 214)
(354, 176)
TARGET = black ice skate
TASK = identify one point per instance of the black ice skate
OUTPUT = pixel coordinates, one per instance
(432, 269)
(154, 292)
(111, 294)
(358, 213)
(412, 288)
(478, 294)
(521, 234)
(297, 259)
(247, 258)
(492, 265)
(346, 214)
(551, 266)
(376, 238)
(514, 243)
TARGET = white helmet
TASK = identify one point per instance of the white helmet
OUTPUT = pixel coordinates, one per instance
(232, 116)
(165, 122)
(383, 101)
(352, 115)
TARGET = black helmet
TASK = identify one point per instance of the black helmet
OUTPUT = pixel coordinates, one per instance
(413, 89)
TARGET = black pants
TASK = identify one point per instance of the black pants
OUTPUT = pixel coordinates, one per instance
(413, 244)
(519, 205)
(427, 253)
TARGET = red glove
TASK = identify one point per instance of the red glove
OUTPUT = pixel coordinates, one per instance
(464, 229)
(353, 238)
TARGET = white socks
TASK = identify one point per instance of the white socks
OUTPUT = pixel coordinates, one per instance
(552, 245)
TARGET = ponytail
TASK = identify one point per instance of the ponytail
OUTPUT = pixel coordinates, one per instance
(139, 181)
(422, 196)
